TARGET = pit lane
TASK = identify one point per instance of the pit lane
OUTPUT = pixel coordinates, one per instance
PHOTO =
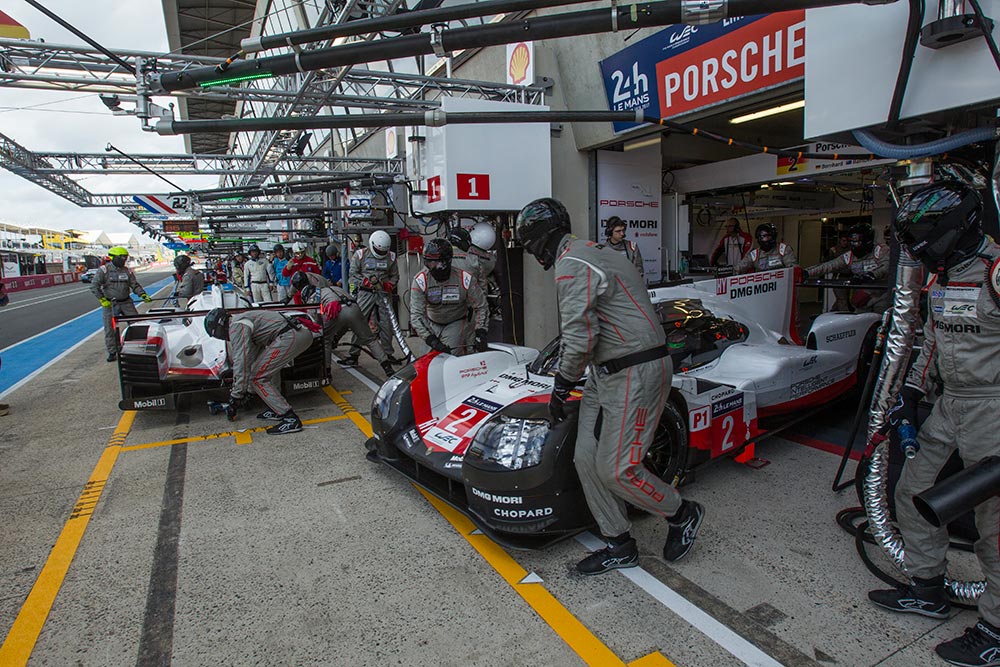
(182, 538)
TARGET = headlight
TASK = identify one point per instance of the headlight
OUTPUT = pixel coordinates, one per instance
(511, 443)
(382, 402)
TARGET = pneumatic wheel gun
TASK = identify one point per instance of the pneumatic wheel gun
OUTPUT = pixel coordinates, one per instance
(218, 407)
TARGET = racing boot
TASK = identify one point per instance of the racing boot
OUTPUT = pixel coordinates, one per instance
(349, 361)
(270, 415)
(683, 528)
(388, 369)
(924, 596)
(112, 356)
(4, 409)
(621, 552)
(290, 423)
(978, 647)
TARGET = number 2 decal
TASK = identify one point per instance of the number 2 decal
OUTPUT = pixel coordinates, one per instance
(467, 414)
(727, 438)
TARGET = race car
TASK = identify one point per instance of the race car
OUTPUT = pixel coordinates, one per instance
(475, 430)
(166, 353)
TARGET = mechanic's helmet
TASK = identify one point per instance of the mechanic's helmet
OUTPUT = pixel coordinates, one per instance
(278, 248)
(460, 238)
(767, 236)
(254, 248)
(298, 247)
(118, 256)
(437, 259)
(940, 225)
(379, 242)
(181, 263)
(540, 226)
(862, 239)
(217, 323)
(483, 235)
(332, 251)
(613, 223)
(299, 280)
(307, 293)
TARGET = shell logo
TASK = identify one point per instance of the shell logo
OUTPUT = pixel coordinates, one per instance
(519, 61)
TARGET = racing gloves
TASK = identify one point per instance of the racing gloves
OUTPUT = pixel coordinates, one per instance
(106, 303)
(906, 406)
(435, 343)
(481, 342)
(146, 298)
(560, 394)
(388, 287)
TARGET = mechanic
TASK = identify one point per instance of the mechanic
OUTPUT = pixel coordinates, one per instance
(340, 313)
(733, 245)
(614, 231)
(332, 268)
(769, 253)
(259, 276)
(865, 262)
(300, 261)
(113, 286)
(484, 237)
(190, 282)
(239, 279)
(461, 242)
(260, 344)
(373, 269)
(447, 306)
(609, 324)
(940, 225)
(283, 282)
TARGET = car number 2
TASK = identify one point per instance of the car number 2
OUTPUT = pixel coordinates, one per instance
(467, 414)
(727, 436)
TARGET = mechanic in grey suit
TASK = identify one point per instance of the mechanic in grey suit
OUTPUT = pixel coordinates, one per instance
(940, 226)
(190, 282)
(340, 313)
(260, 345)
(608, 322)
(769, 253)
(865, 263)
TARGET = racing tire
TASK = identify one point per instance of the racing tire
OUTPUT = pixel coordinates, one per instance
(667, 456)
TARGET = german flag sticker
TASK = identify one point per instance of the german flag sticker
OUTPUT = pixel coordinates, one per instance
(11, 29)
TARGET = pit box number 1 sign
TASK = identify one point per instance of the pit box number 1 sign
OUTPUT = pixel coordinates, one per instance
(473, 186)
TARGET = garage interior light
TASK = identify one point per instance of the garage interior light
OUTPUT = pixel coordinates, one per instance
(642, 143)
(768, 112)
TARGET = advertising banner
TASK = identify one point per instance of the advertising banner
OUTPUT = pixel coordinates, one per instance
(686, 68)
(628, 185)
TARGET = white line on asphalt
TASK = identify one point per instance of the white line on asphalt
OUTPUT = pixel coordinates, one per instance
(38, 300)
(743, 650)
(364, 378)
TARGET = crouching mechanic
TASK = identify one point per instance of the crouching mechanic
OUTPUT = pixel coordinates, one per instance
(607, 321)
(769, 254)
(340, 313)
(113, 286)
(260, 345)
(447, 306)
(864, 263)
(940, 225)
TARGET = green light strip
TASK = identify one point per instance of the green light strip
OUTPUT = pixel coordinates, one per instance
(235, 79)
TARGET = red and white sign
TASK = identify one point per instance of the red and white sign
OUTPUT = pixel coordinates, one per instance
(433, 189)
(765, 53)
(472, 186)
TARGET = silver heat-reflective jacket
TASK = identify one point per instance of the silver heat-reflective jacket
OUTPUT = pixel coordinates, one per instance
(604, 306)
(249, 333)
(446, 302)
(777, 257)
(191, 283)
(116, 284)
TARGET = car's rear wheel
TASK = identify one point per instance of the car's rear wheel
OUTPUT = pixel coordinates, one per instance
(668, 453)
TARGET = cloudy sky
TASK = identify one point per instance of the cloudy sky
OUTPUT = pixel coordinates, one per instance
(68, 122)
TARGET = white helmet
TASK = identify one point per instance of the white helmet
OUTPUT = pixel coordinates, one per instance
(298, 247)
(379, 242)
(483, 235)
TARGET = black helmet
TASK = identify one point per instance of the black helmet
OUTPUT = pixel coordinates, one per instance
(767, 236)
(307, 293)
(437, 259)
(299, 280)
(217, 323)
(861, 238)
(613, 223)
(332, 251)
(540, 226)
(181, 263)
(253, 247)
(940, 225)
(277, 247)
(460, 238)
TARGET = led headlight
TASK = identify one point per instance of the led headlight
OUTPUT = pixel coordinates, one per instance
(383, 400)
(511, 443)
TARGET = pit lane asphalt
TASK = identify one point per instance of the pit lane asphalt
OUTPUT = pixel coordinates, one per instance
(174, 538)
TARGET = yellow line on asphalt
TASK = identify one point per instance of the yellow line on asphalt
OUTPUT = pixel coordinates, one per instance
(243, 437)
(590, 649)
(27, 626)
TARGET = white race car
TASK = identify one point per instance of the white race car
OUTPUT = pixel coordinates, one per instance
(475, 429)
(167, 352)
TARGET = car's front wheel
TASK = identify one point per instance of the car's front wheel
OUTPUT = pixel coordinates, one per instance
(668, 453)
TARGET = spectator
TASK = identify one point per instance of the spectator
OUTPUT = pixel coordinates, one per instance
(333, 270)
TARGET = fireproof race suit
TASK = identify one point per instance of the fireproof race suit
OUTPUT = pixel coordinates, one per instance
(873, 266)
(961, 340)
(451, 310)
(116, 285)
(369, 274)
(470, 263)
(189, 284)
(488, 262)
(343, 317)
(631, 251)
(259, 275)
(606, 315)
(260, 345)
(761, 260)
